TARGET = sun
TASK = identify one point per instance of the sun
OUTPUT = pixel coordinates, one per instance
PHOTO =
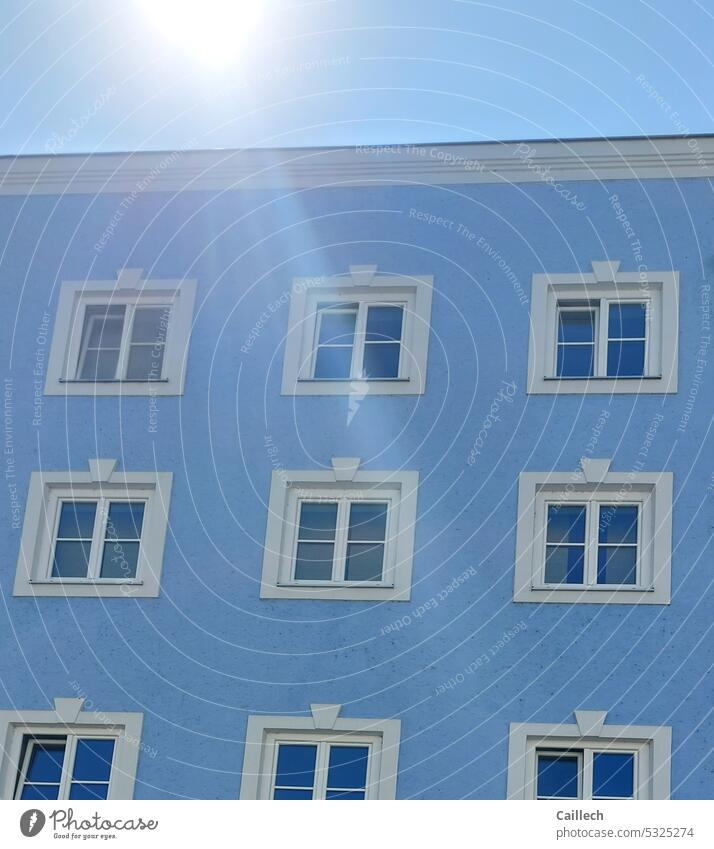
(213, 32)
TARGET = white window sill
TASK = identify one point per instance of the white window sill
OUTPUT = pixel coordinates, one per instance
(101, 582)
(586, 588)
(113, 380)
(605, 377)
(329, 584)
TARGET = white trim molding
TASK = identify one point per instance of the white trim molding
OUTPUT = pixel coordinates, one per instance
(48, 490)
(130, 290)
(345, 482)
(651, 746)
(68, 718)
(360, 288)
(593, 485)
(656, 291)
(324, 725)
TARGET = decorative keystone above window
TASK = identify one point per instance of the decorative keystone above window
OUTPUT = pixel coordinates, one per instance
(321, 756)
(127, 336)
(594, 536)
(96, 533)
(589, 760)
(605, 332)
(359, 333)
(68, 753)
(340, 534)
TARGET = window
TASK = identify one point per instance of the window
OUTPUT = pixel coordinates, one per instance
(128, 336)
(320, 757)
(340, 534)
(365, 329)
(594, 536)
(95, 533)
(588, 760)
(608, 331)
(68, 753)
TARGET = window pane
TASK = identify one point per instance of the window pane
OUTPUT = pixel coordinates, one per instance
(71, 560)
(613, 775)
(333, 362)
(103, 326)
(93, 760)
(384, 324)
(100, 365)
(150, 324)
(564, 564)
(616, 565)
(368, 521)
(88, 791)
(46, 762)
(317, 521)
(125, 519)
(40, 791)
(145, 362)
(77, 519)
(344, 795)
(347, 769)
(618, 523)
(337, 327)
(576, 326)
(296, 765)
(566, 523)
(575, 361)
(119, 559)
(314, 561)
(364, 561)
(558, 776)
(381, 360)
(292, 794)
(627, 321)
(625, 359)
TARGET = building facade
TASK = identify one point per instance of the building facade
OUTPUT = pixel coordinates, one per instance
(369, 473)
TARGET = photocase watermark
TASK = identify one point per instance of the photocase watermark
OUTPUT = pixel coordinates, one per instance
(9, 453)
(282, 72)
(504, 396)
(701, 355)
(481, 660)
(447, 223)
(273, 307)
(511, 276)
(527, 153)
(38, 369)
(439, 154)
(576, 475)
(58, 140)
(156, 367)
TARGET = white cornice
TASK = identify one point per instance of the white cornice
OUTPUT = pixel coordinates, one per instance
(287, 168)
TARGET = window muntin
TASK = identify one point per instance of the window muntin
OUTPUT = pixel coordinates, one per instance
(627, 339)
(587, 773)
(65, 767)
(576, 341)
(321, 770)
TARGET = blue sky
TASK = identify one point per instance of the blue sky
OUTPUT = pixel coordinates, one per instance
(92, 75)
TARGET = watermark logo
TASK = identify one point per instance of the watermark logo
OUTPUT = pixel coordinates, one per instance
(32, 822)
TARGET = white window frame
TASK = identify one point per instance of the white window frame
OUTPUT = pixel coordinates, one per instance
(69, 720)
(606, 285)
(651, 745)
(365, 287)
(323, 726)
(290, 487)
(47, 492)
(595, 485)
(131, 291)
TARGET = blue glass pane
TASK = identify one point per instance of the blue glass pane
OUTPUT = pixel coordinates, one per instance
(625, 359)
(616, 565)
(88, 791)
(46, 762)
(145, 362)
(93, 760)
(150, 325)
(337, 327)
(613, 775)
(71, 560)
(120, 559)
(566, 523)
(103, 326)
(368, 521)
(381, 360)
(347, 769)
(384, 324)
(333, 362)
(344, 795)
(317, 521)
(575, 361)
(125, 520)
(558, 776)
(627, 321)
(618, 523)
(296, 765)
(292, 794)
(576, 326)
(40, 791)
(77, 519)
(364, 561)
(564, 564)
(314, 561)
(100, 365)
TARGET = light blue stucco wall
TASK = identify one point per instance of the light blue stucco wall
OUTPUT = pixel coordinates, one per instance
(208, 652)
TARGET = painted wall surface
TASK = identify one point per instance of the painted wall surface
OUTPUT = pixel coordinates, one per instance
(208, 652)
